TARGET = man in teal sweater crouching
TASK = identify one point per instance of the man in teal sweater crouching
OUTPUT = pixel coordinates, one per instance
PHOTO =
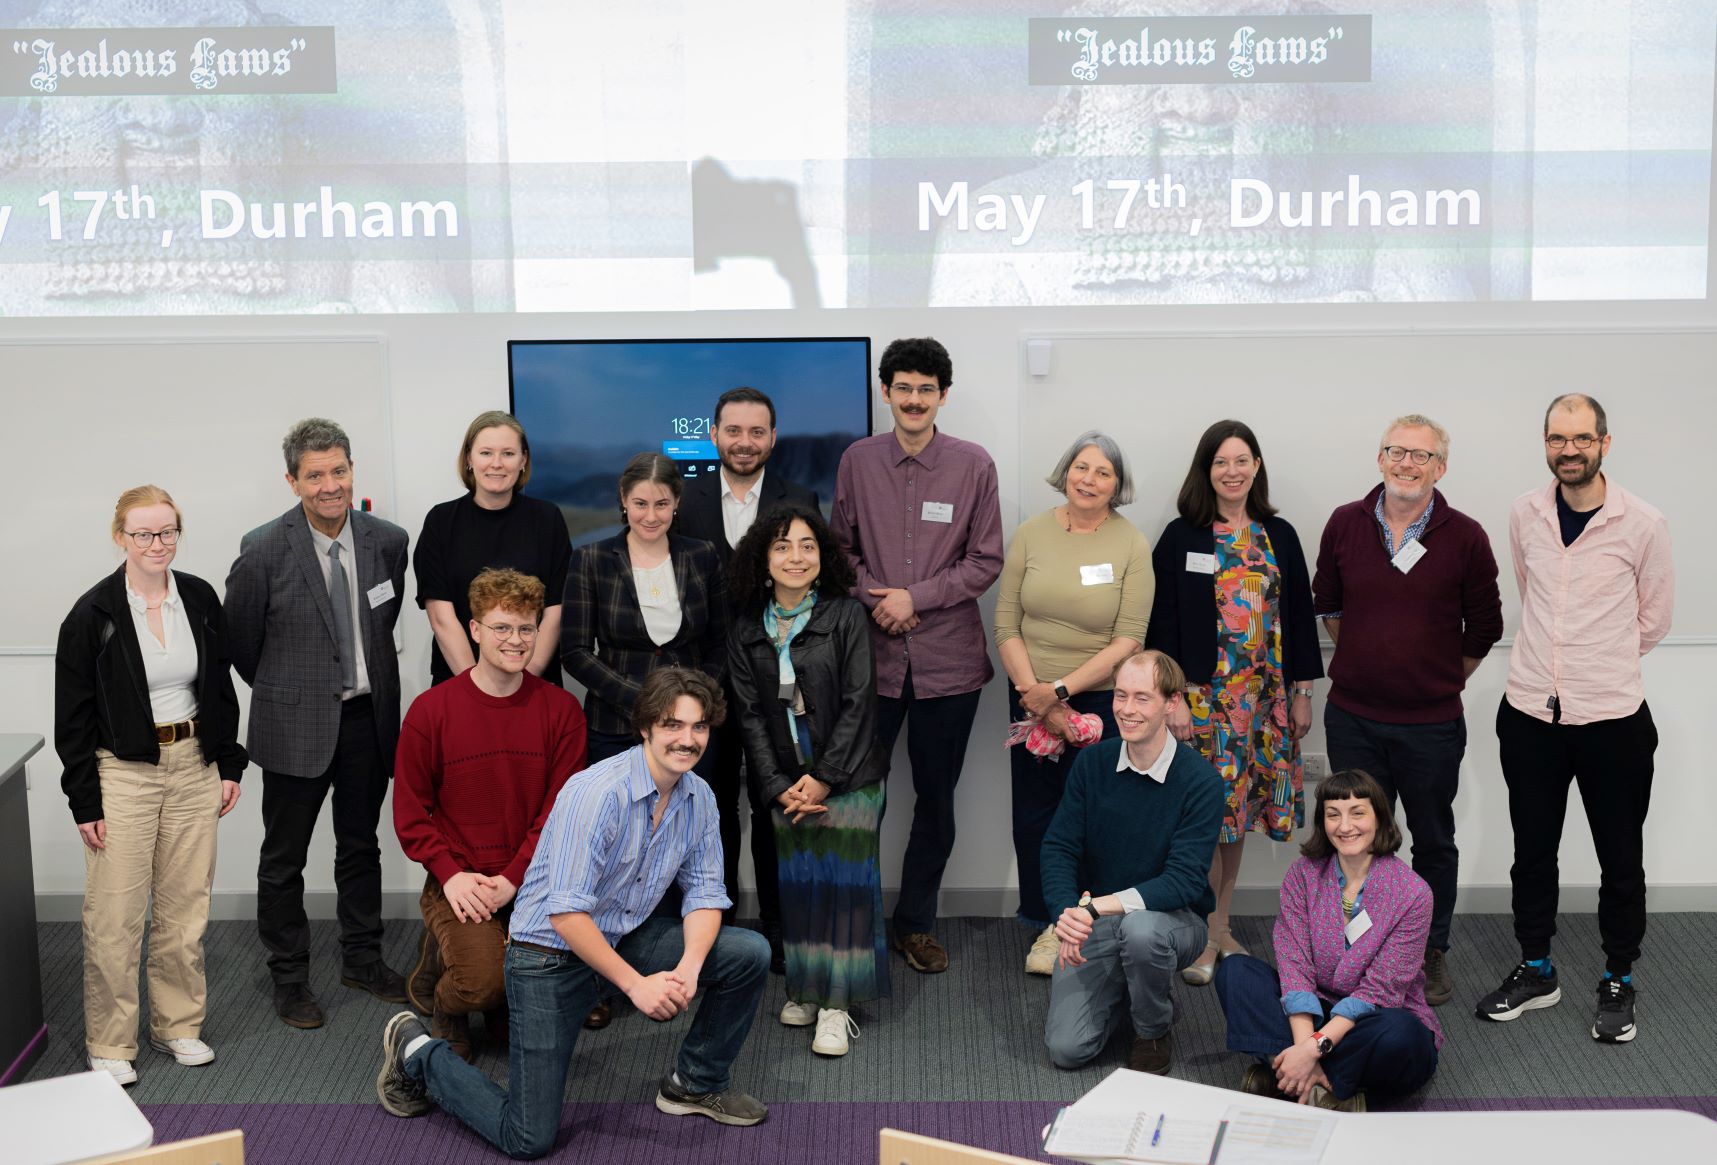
(1126, 875)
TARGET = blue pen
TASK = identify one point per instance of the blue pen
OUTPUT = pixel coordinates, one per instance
(1158, 1135)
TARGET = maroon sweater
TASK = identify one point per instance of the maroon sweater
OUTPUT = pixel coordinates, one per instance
(1403, 635)
(476, 775)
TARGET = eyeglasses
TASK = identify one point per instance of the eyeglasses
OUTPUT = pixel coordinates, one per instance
(1419, 456)
(1583, 441)
(525, 633)
(914, 390)
(146, 538)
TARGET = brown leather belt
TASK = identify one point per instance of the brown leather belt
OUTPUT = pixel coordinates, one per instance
(537, 947)
(171, 733)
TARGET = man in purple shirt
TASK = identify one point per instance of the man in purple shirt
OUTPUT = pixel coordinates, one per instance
(1406, 587)
(917, 512)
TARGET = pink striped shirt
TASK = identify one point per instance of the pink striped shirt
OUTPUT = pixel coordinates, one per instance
(1590, 610)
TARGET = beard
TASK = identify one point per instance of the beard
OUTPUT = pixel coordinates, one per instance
(1589, 465)
(727, 463)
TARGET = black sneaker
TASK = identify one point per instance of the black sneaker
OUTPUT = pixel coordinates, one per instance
(399, 1093)
(732, 1107)
(1615, 1022)
(379, 979)
(1524, 990)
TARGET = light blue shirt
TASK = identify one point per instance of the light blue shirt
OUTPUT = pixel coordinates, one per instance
(598, 856)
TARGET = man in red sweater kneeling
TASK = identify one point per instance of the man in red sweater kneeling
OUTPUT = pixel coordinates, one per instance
(481, 758)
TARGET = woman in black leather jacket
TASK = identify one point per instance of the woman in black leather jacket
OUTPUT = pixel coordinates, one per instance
(146, 724)
(799, 651)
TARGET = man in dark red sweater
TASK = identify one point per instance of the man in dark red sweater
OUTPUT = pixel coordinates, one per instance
(1406, 585)
(481, 758)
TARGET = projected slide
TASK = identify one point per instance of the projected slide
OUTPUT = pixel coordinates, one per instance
(313, 156)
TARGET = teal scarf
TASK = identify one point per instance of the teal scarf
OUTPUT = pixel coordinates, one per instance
(774, 617)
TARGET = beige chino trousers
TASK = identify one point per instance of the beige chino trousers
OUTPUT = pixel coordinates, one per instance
(161, 826)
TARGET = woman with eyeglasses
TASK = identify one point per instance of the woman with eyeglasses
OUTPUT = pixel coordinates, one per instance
(494, 524)
(1234, 608)
(146, 725)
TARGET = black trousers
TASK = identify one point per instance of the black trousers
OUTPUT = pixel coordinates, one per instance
(290, 807)
(734, 798)
(937, 728)
(1611, 762)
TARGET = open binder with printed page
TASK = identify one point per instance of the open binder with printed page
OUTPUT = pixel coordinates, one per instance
(1133, 1135)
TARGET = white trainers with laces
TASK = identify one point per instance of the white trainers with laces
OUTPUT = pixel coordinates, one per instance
(187, 1051)
(799, 1014)
(121, 1070)
(1041, 959)
(833, 1028)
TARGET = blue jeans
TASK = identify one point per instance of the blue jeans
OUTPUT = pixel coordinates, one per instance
(1422, 764)
(549, 996)
(1037, 788)
(1388, 1053)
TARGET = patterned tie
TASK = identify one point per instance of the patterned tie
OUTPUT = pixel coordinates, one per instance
(340, 598)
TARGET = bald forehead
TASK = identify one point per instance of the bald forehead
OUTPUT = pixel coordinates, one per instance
(1572, 418)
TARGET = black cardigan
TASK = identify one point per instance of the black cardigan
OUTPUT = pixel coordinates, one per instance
(101, 694)
(835, 666)
(1183, 614)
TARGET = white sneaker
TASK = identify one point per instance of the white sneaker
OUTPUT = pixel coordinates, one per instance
(833, 1028)
(121, 1070)
(1041, 959)
(187, 1051)
(799, 1014)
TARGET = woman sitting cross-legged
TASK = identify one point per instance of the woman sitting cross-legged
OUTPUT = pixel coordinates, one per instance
(800, 659)
(1344, 1012)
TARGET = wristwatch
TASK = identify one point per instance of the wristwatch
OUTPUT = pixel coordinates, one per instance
(1091, 909)
(1061, 692)
(1325, 1044)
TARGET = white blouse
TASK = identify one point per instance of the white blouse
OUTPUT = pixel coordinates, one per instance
(659, 600)
(170, 668)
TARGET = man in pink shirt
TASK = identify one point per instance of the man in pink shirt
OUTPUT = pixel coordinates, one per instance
(1597, 589)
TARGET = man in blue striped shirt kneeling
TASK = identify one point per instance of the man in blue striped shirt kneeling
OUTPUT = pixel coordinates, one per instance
(619, 833)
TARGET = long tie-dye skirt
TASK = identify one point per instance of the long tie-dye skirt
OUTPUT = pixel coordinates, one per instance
(832, 924)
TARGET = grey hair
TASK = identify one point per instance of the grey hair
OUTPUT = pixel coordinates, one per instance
(1418, 421)
(1107, 447)
(313, 435)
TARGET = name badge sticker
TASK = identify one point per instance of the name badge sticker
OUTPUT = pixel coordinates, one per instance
(1097, 574)
(1407, 556)
(380, 593)
(937, 512)
(1356, 929)
(1200, 563)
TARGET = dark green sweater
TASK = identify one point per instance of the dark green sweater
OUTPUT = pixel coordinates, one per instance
(1120, 829)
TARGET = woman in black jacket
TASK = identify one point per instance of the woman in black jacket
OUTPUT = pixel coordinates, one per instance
(1233, 607)
(804, 677)
(146, 724)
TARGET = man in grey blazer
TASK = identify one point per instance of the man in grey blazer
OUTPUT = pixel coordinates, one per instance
(311, 603)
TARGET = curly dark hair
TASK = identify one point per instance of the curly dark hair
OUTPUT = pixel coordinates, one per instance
(662, 689)
(748, 583)
(920, 354)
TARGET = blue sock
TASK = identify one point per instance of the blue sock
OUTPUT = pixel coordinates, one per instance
(1628, 978)
(1542, 966)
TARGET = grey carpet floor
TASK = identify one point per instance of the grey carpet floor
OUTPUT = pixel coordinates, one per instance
(972, 1034)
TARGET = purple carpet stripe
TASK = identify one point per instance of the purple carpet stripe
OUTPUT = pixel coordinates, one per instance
(634, 1133)
(23, 1057)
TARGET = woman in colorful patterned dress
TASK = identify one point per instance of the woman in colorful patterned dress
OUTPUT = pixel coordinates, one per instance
(1234, 608)
(804, 683)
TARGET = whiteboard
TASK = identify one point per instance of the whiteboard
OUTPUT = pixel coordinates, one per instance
(1319, 403)
(202, 418)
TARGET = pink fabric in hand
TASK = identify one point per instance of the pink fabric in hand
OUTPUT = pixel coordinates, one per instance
(1040, 741)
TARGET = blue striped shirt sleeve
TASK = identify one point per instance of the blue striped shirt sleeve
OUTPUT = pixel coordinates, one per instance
(578, 854)
(701, 878)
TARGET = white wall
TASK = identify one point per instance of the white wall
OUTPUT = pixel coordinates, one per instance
(444, 369)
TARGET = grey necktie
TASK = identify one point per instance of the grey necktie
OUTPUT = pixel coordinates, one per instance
(340, 598)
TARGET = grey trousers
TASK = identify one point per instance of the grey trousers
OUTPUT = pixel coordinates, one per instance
(1130, 961)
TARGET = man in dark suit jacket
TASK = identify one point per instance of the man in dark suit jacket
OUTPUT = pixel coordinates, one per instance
(311, 602)
(719, 508)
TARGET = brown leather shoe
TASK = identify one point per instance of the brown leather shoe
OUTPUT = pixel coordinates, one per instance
(600, 1016)
(1322, 1097)
(1153, 1056)
(420, 987)
(1261, 1081)
(296, 1007)
(923, 953)
(456, 1030)
(1439, 984)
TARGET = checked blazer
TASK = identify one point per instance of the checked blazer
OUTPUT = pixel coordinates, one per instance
(603, 642)
(281, 635)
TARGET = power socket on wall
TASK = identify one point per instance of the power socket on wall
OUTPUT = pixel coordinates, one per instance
(1316, 765)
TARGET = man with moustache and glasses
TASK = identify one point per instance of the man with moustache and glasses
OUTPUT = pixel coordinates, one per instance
(1597, 590)
(1406, 586)
(618, 835)
(918, 513)
(719, 508)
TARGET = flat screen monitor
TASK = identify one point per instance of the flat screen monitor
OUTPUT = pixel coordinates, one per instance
(590, 405)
